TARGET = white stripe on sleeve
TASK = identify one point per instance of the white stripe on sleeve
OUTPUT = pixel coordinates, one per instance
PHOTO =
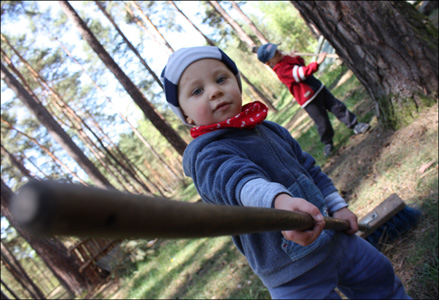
(295, 75)
(301, 73)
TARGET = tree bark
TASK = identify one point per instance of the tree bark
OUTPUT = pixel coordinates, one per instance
(239, 31)
(55, 130)
(249, 22)
(119, 113)
(45, 149)
(17, 271)
(391, 48)
(209, 41)
(51, 251)
(130, 45)
(162, 126)
(148, 21)
(3, 296)
(24, 171)
(141, 25)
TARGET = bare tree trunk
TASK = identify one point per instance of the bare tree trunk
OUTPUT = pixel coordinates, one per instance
(137, 133)
(77, 122)
(153, 74)
(126, 163)
(390, 47)
(209, 41)
(141, 25)
(249, 22)
(51, 251)
(148, 21)
(239, 31)
(15, 268)
(259, 93)
(44, 174)
(3, 296)
(54, 129)
(44, 149)
(63, 107)
(118, 156)
(26, 173)
(174, 139)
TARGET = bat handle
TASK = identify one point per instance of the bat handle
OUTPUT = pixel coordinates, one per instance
(342, 225)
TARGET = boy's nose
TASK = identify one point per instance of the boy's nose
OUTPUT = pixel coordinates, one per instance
(215, 92)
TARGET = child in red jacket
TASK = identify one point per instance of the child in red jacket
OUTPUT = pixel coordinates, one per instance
(310, 93)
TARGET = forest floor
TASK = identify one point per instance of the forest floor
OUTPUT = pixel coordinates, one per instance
(366, 169)
(371, 167)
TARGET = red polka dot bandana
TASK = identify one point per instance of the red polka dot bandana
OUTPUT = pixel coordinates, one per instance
(251, 115)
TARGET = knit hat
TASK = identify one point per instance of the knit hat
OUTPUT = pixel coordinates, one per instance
(266, 52)
(179, 61)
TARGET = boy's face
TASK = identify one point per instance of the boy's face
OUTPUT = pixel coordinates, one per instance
(275, 59)
(208, 93)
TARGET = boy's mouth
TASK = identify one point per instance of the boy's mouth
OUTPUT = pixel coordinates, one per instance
(221, 106)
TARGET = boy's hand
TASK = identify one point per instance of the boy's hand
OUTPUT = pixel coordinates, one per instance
(321, 57)
(292, 53)
(346, 214)
(303, 238)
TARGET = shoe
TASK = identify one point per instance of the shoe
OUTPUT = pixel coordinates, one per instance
(327, 151)
(361, 128)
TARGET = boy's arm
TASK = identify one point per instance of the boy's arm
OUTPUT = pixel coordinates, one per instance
(337, 206)
(304, 238)
(346, 214)
(298, 72)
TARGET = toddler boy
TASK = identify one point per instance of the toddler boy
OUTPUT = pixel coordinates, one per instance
(239, 158)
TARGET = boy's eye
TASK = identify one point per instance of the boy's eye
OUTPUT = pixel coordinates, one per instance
(196, 91)
(221, 79)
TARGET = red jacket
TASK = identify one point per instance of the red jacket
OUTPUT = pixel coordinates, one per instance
(298, 77)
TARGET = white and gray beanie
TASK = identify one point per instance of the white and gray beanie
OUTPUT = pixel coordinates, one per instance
(179, 61)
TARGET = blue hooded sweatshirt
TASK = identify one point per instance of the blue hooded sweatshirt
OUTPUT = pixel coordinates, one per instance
(222, 162)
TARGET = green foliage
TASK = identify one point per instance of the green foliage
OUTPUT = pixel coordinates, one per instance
(11, 8)
(223, 32)
(286, 26)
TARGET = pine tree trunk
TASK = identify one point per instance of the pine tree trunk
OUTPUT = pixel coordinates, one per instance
(261, 96)
(55, 130)
(15, 268)
(3, 296)
(141, 25)
(162, 126)
(24, 171)
(137, 133)
(249, 22)
(51, 251)
(239, 31)
(131, 46)
(63, 108)
(148, 21)
(78, 124)
(209, 41)
(391, 48)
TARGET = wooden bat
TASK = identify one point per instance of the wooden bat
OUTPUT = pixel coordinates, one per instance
(50, 208)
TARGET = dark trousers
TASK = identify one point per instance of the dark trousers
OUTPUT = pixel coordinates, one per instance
(318, 111)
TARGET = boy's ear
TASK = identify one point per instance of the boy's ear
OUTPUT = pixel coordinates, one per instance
(190, 121)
